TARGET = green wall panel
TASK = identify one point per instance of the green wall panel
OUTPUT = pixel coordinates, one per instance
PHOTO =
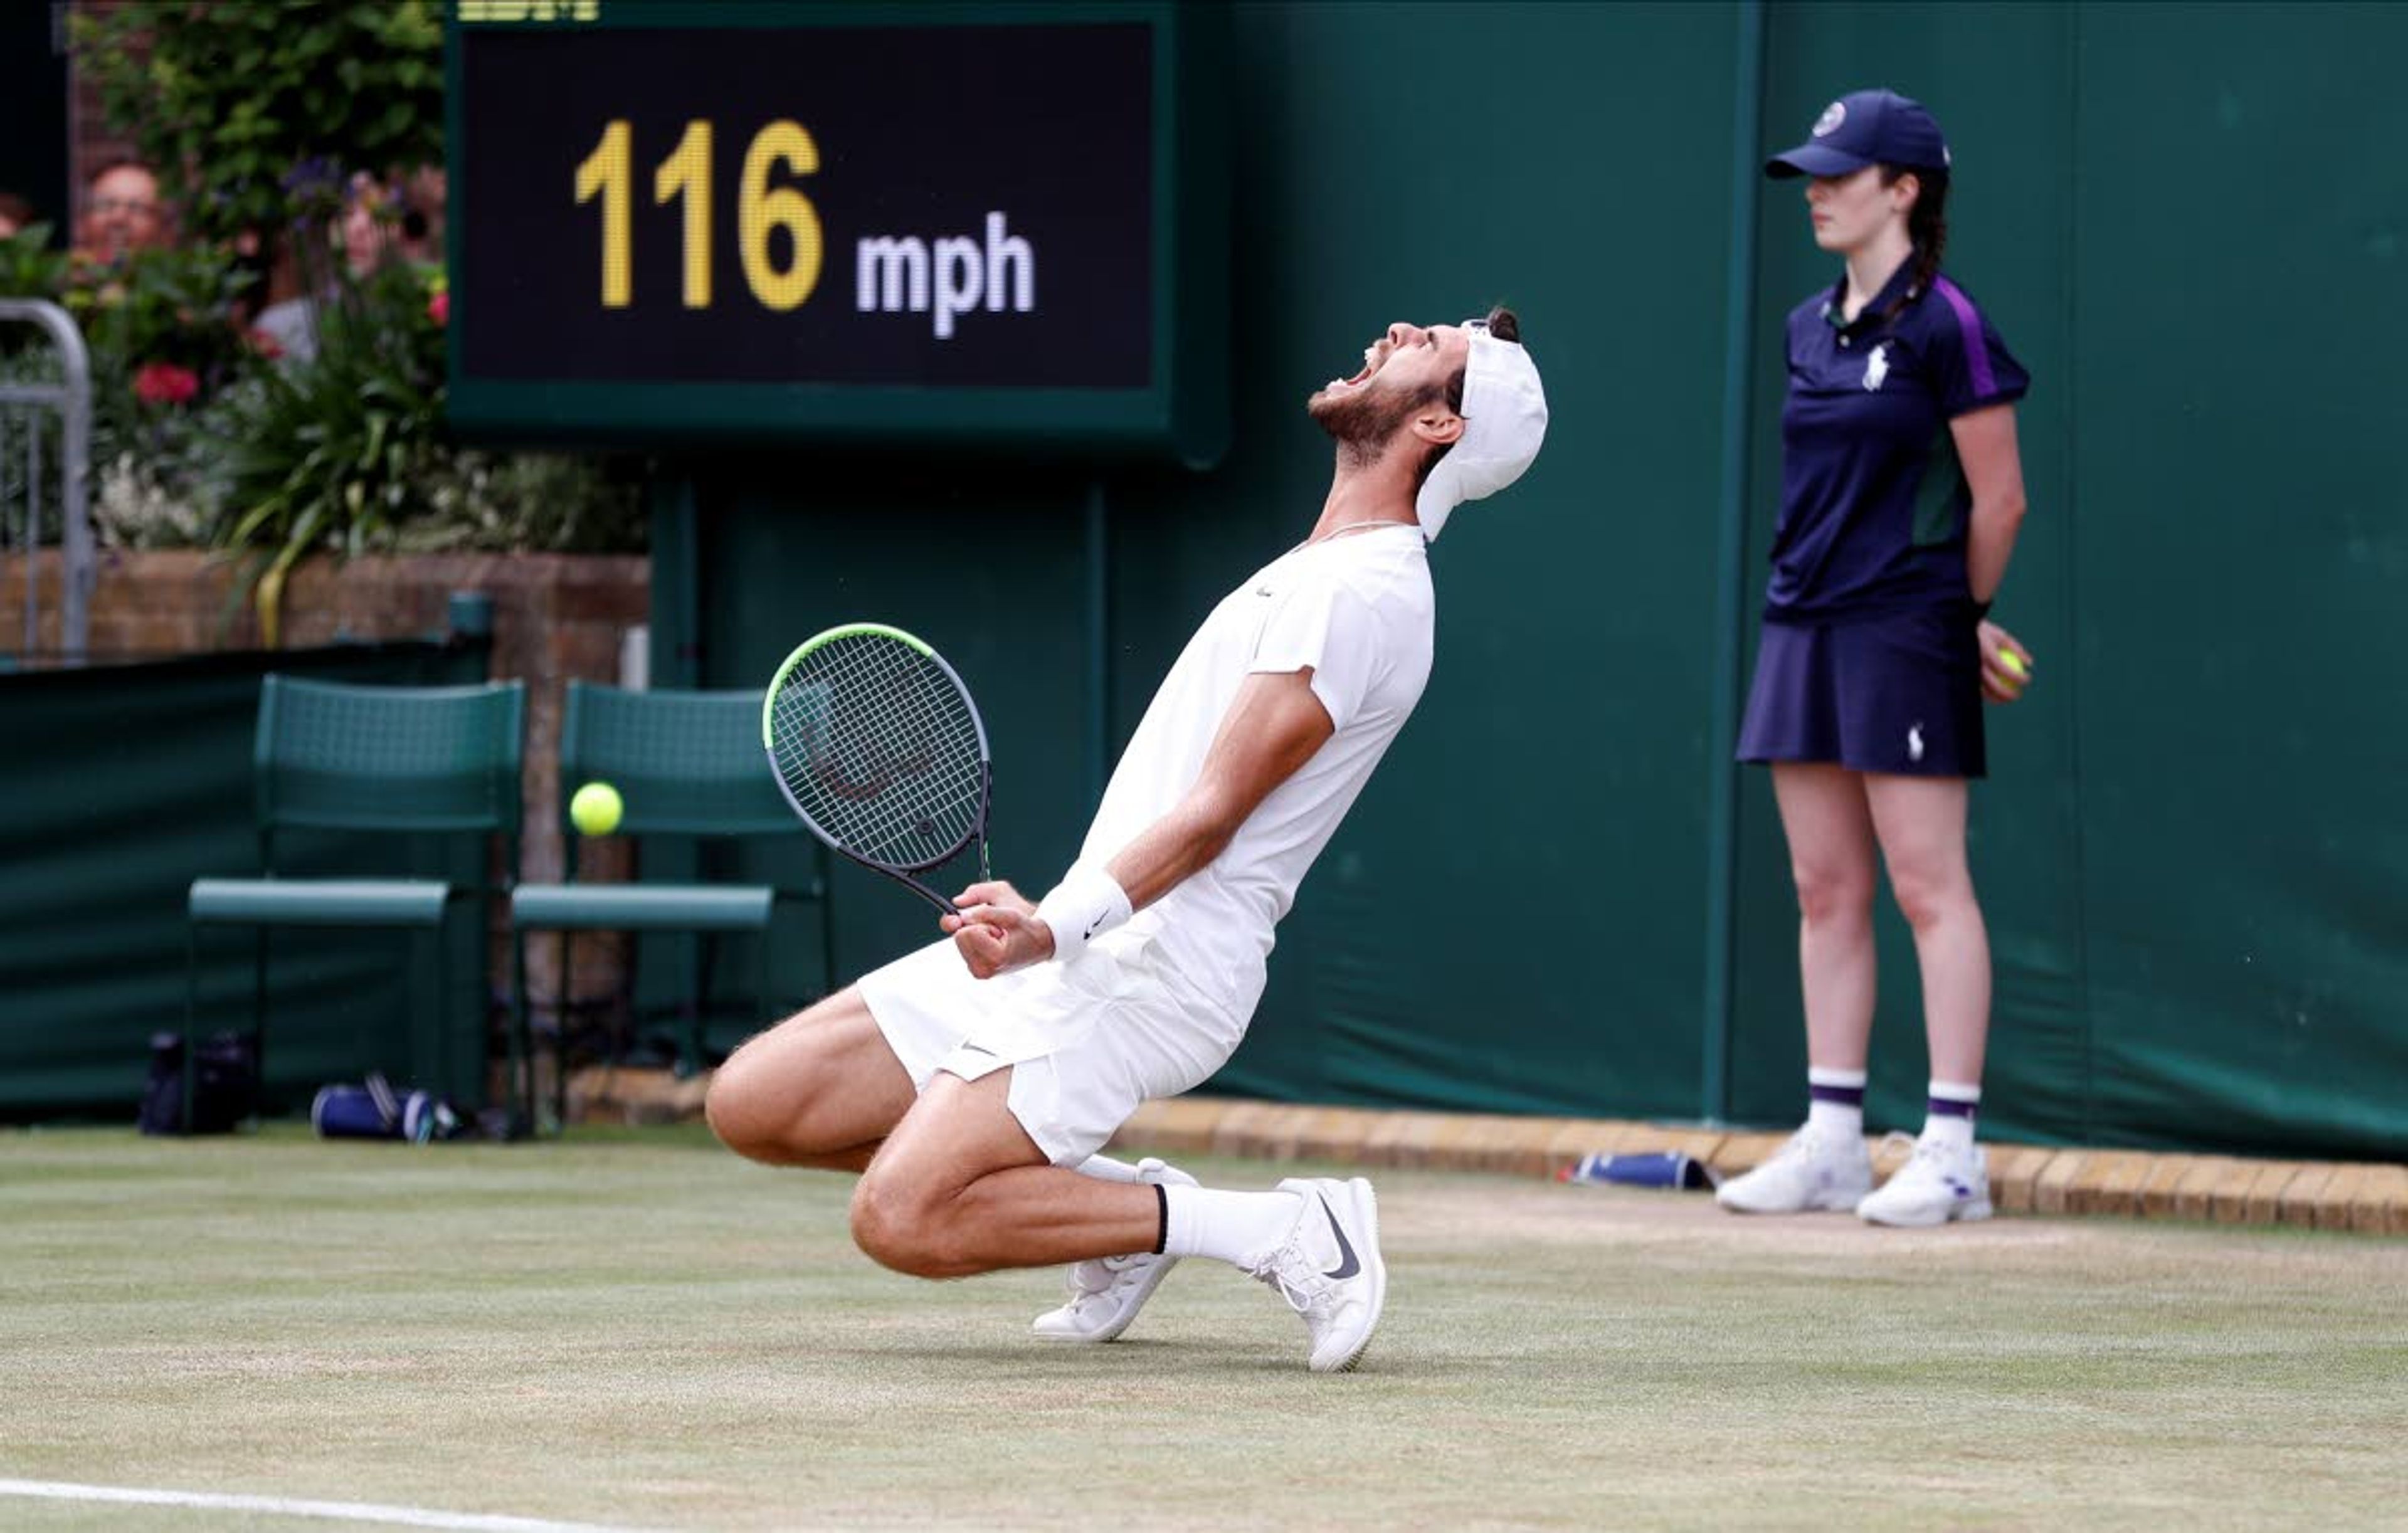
(2243, 728)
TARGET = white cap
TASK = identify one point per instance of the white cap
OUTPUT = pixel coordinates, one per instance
(1504, 421)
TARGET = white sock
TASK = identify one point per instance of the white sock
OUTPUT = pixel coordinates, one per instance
(1104, 1169)
(1837, 1109)
(1942, 1126)
(1240, 1228)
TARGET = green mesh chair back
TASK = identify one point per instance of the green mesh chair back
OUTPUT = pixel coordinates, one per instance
(428, 761)
(684, 762)
(689, 767)
(346, 757)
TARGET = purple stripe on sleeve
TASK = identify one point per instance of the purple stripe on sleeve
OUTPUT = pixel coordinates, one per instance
(1977, 351)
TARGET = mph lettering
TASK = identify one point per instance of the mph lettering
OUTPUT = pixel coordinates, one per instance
(897, 275)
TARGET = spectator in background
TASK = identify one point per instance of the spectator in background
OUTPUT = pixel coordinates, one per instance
(16, 213)
(368, 228)
(122, 212)
(365, 235)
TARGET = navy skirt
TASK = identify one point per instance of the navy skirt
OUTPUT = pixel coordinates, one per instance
(1899, 694)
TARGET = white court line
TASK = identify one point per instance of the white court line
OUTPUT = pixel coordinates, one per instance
(347, 1511)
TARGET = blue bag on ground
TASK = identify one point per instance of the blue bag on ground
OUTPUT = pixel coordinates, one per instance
(375, 1111)
(1656, 1168)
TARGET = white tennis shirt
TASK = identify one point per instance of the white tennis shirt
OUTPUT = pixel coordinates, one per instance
(1358, 609)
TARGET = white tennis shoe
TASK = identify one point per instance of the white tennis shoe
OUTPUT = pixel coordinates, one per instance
(1329, 1269)
(1938, 1183)
(1815, 1170)
(1106, 1294)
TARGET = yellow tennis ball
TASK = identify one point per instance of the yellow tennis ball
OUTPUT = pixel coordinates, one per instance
(2008, 661)
(595, 808)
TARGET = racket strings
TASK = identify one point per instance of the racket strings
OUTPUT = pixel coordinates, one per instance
(880, 746)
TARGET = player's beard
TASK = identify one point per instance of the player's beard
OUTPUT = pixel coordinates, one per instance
(1362, 422)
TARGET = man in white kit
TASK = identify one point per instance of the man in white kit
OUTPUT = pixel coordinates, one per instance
(973, 1082)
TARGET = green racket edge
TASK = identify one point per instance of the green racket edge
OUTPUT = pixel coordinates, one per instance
(803, 651)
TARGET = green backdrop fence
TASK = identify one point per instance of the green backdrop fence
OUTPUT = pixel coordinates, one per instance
(119, 785)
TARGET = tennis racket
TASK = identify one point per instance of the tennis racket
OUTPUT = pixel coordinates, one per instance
(877, 745)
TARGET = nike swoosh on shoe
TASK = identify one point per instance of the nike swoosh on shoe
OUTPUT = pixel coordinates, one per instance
(1347, 1265)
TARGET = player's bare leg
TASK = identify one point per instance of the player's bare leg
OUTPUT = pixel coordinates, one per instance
(960, 1188)
(821, 1089)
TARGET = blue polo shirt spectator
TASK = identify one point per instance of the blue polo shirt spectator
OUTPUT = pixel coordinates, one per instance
(1873, 502)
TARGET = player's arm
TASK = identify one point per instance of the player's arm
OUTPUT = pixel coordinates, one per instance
(1274, 726)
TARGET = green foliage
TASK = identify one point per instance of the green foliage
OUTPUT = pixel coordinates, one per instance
(151, 311)
(255, 116)
(161, 329)
(230, 102)
(29, 267)
(346, 451)
(330, 451)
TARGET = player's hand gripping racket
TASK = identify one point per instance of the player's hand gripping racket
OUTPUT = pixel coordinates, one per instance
(877, 745)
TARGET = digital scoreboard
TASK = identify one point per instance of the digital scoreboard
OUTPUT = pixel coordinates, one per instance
(775, 223)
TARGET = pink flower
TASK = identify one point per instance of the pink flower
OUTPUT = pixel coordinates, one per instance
(438, 307)
(164, 384)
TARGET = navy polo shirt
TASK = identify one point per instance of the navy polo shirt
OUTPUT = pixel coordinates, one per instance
(1873, 502)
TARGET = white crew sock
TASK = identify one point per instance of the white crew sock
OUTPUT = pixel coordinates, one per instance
(1835, 1106)
(1949, 1116)
(1240, 1228)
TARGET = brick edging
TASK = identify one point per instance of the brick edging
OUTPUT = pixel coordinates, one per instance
(2368, 1199)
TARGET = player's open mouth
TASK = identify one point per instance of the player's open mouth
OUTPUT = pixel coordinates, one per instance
(1372, 357)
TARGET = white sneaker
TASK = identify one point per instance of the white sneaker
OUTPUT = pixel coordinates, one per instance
(1938, 1183)
(1107, 1294)
(1813, 1170)
(1329, 1269)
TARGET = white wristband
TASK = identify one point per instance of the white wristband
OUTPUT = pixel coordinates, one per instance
(1086, 904)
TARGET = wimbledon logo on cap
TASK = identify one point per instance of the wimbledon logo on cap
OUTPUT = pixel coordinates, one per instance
(1833, 115)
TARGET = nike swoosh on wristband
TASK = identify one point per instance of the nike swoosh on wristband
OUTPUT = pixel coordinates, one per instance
(1347, 1265)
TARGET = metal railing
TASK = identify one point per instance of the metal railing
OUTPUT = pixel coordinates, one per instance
(70, 398)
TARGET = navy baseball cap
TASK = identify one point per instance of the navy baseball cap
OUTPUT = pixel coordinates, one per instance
(1865, 128)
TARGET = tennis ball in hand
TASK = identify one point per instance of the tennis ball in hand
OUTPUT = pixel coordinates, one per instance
(2009, 662)
(595, 810)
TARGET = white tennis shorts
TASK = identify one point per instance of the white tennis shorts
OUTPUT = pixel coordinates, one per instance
(1087, 1041)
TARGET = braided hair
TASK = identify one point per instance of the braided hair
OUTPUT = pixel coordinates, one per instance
(1926, 225)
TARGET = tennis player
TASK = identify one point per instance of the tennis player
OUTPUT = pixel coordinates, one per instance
(973, 1082)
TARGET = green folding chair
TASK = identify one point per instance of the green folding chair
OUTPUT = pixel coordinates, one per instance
(690, 770)
(334, 756)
